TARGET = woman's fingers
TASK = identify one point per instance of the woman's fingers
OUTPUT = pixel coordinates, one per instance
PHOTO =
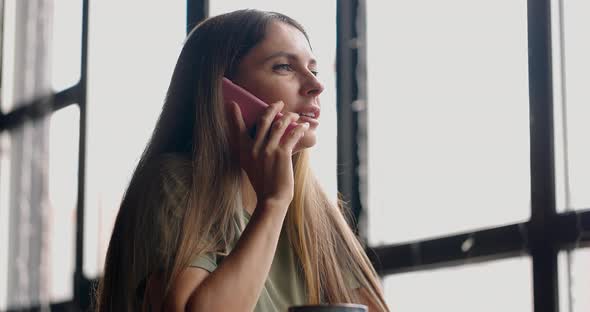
(269, 135)
(264, 124)
(239, 125)
(279, 127)
(294, 136)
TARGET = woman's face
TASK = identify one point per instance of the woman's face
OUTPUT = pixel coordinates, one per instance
(283, 68)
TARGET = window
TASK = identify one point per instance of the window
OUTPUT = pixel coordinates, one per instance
(8, 47)
(29, 236)
(503, 285)
(459, 150)
(448, 133)
(129, 70)
(67, 43)
(571, 47)
(574, 282)
(4, 202)
(63, 191)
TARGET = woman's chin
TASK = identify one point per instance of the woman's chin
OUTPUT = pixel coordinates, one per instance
(307, 141)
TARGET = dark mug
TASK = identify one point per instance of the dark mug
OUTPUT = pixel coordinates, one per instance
(344, 307)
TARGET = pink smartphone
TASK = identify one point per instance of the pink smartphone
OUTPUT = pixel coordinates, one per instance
(250, 106)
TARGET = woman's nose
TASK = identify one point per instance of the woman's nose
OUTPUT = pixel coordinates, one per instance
(312, 86)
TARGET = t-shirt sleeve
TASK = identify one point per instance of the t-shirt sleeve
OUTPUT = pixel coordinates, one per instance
(206, 261)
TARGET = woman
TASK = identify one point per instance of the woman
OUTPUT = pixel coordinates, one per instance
(217, 220)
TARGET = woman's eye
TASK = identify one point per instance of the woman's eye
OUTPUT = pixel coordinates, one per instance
(286, 67)
(314, 72)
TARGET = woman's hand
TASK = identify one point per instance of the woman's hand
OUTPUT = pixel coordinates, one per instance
(267, 158)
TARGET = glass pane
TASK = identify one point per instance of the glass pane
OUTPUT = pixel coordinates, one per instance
(571, 48)
(4, 218)
(448, 119)
(503, 285)
(66, 43)
(8, 47)
(63, 194)
(322, 35)
(134, 47)
(574, 280)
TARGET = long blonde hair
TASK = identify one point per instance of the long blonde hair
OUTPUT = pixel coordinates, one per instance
(184, 194)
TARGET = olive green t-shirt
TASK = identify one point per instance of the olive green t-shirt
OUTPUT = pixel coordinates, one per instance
(284, 285)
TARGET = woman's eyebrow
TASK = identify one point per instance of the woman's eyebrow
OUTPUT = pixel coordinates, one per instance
(287, 55)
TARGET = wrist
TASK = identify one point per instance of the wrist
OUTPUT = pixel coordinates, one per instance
(272, 205)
